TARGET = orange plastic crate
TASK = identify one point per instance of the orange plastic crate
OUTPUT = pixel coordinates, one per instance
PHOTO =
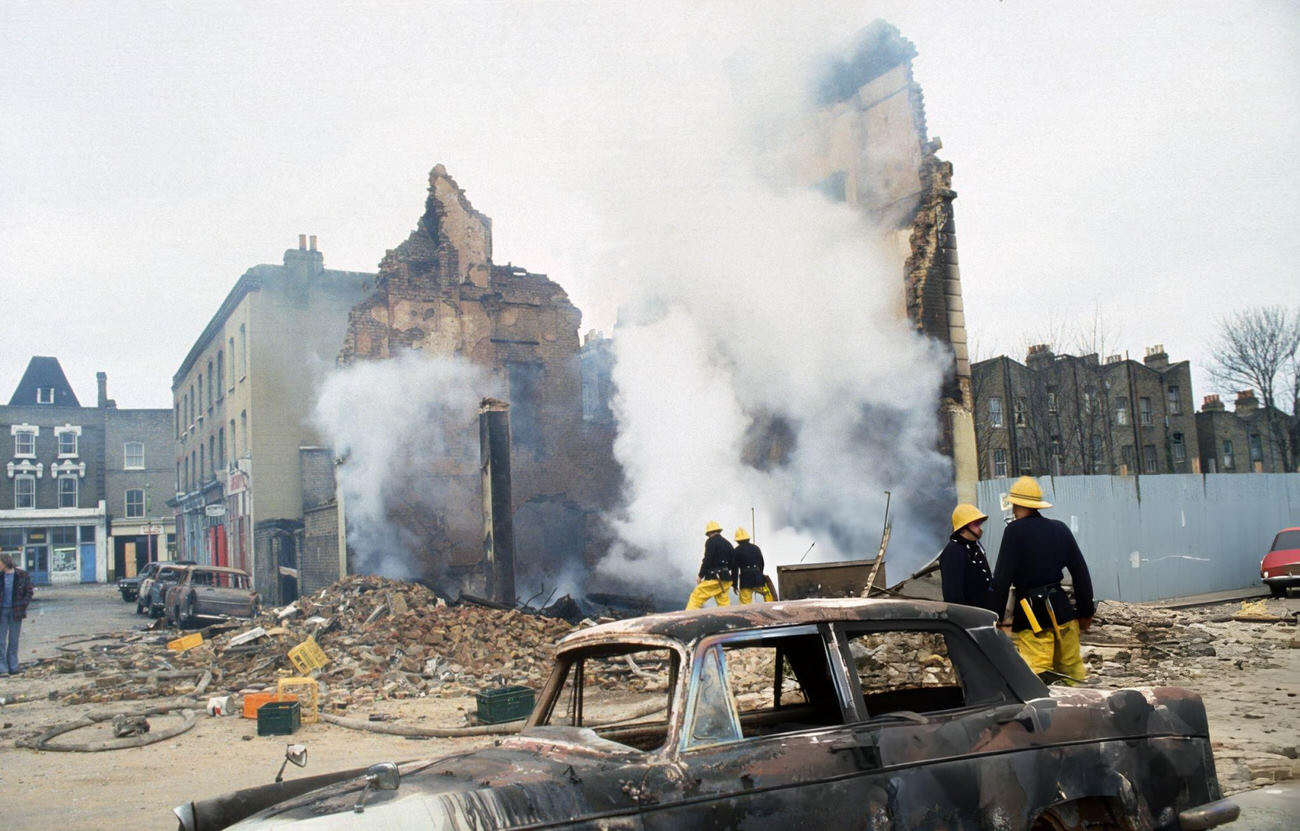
(254, 700)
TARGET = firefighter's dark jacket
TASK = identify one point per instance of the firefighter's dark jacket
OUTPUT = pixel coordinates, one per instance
(749, 566)
(719, 559)
(1034, 554)
(966, 575)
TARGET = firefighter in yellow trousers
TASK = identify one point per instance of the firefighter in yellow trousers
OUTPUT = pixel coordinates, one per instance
(716, 570)
(749, 569)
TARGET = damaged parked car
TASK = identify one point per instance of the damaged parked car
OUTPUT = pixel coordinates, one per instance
(210, 592)
(153, 589)
(872, 714)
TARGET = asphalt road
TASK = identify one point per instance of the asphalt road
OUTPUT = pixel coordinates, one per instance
(62, 614)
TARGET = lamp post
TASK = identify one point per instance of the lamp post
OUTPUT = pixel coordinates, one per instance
(148, 519)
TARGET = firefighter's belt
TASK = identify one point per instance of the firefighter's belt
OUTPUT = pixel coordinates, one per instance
(1036, 603)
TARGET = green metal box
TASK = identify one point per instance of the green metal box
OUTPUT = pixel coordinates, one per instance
(504, 704)
(278, 718)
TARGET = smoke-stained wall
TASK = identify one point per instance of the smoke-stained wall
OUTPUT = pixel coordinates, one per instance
(867, 145)
(514, 335)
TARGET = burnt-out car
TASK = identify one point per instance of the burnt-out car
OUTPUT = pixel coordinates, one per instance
(153, 589)
(869, 714)
(132, 587)
(210, 592)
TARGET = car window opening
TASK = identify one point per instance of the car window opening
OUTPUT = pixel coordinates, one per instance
(905, 672)
(623, 695)
(764, 687)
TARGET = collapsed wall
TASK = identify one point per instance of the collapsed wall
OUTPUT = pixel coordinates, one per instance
(440, 294)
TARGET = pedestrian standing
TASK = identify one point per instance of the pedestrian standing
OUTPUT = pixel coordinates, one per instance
(715, 570)
(749, 569)
(15, 593)
(1034, 554)
(963, 564)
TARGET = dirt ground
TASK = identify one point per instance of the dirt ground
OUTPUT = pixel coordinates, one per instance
(1251, 704)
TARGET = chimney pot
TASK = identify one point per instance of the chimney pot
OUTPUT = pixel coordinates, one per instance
(302, 242)
(313, 242)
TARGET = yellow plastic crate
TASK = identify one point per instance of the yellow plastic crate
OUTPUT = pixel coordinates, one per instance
(308, 656)
(187, 642)
(305, 689)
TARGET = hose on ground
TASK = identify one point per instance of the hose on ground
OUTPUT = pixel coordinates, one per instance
(42, 742)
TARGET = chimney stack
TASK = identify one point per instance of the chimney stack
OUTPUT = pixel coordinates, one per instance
(302, 242)
(1157, 358)
(1040, 356)
(101, 379)
(1212, 404)
(1246, 402)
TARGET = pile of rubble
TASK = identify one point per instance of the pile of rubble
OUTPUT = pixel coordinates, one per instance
(1151, 646)
(381, 639)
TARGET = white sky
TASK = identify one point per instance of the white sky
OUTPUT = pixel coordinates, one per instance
(1132, 161)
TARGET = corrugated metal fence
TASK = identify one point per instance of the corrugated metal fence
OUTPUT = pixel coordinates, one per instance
(1153, 537)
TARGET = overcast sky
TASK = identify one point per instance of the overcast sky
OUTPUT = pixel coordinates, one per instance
(1130, 162)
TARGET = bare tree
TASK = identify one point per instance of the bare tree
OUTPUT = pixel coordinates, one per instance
(1259, 348)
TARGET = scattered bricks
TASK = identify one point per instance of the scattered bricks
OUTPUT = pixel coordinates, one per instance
(1270, 768)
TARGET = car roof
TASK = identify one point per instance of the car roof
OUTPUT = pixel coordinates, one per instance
(221, 569)
(689, 626)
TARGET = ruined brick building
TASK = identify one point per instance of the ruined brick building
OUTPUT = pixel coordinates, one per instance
(440, 293)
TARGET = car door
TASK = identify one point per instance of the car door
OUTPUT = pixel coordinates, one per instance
(769, 738)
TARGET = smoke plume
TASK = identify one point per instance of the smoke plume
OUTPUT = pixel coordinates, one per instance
(399, 427)
(757, 313)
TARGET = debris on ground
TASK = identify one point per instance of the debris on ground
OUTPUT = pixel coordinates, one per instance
(381, 639)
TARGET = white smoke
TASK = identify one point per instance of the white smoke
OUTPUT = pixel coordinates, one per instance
(746, 297)
(394, 424)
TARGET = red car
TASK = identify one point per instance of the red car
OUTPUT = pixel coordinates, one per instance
(1280, 568)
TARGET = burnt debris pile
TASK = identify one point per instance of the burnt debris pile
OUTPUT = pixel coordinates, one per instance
(380, 639)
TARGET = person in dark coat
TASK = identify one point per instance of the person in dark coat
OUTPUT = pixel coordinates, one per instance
(749, 569)
(716, 570)
(1035, 552)
(15, 593)
(963, 565)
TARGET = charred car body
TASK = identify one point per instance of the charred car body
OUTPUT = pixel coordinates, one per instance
(816, 714)
(153, 589)
(210, 592)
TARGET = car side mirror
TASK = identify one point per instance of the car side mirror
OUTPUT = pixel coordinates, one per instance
(296, 753)
(383, 776)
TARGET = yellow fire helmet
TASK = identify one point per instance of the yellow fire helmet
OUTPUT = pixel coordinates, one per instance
(711, 527)
(741, 535)
(1026, 493)
(966, 513)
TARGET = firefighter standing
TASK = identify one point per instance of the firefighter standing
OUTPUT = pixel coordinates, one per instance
(963, 565)
(749, 569)
(716, 570)
(1034, 551)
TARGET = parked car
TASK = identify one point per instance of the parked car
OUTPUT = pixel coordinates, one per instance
(210, 592)
(1280, 568)
(153, 590)
(846, 713)
(130, 586)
